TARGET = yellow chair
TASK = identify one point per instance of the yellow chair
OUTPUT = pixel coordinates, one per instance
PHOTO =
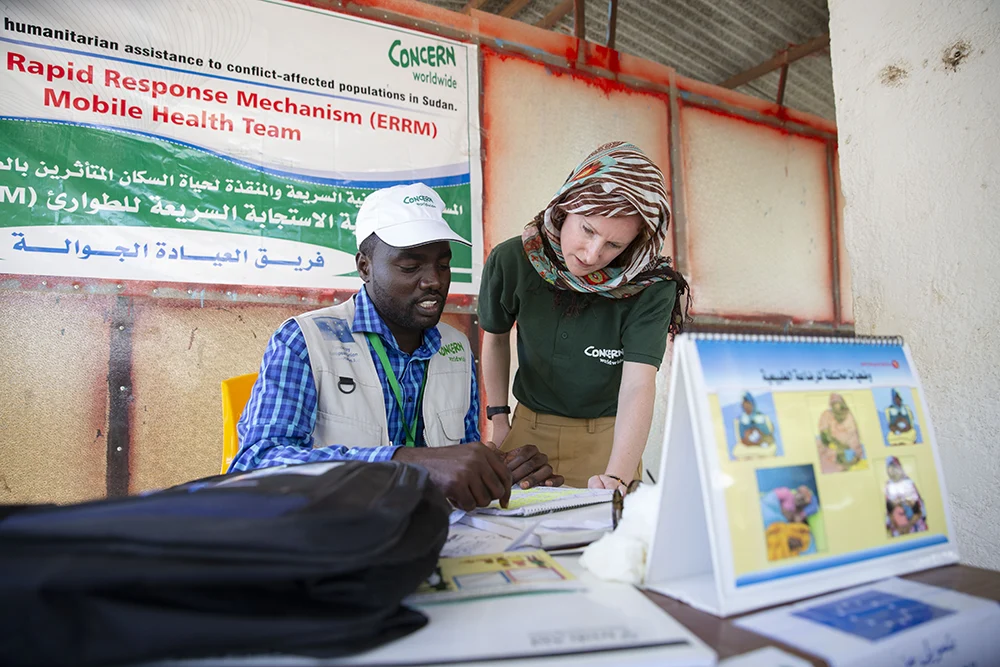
(235, 394)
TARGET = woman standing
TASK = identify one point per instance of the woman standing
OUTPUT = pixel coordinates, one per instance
(594, 301)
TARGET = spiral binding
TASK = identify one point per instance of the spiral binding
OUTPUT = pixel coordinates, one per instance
(781, 338)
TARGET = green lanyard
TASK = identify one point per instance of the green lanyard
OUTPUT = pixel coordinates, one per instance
(411, 429)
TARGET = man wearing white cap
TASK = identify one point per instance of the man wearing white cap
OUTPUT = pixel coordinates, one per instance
(377, 377)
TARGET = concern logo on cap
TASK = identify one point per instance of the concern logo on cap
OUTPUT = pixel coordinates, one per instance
(405, 216)
(419, 200)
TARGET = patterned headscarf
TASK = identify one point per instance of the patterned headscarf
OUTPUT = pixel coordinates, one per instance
(614, 181)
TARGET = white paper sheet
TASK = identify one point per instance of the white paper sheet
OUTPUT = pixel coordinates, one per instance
(468, 541)
(765, 657)
(891, 623)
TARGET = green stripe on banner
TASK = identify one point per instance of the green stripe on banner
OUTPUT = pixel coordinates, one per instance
(63, 174)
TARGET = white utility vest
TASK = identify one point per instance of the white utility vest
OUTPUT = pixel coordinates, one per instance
(351, 410)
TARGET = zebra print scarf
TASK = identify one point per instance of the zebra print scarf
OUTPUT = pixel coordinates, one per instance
(616, 180)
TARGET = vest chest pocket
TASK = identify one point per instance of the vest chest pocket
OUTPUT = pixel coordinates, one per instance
(447, 429)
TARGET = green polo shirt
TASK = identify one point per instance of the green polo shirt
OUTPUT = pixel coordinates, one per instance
(570, 364)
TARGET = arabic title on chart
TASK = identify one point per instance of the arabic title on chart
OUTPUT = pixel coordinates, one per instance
(831, 374)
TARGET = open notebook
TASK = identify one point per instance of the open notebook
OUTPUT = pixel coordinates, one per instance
(539, 500)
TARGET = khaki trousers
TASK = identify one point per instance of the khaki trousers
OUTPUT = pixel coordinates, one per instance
(577, 448)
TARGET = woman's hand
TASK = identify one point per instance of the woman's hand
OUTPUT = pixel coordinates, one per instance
(604, 482)
(501, 429)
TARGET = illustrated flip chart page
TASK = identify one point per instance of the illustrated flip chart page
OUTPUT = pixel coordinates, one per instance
(816, 458)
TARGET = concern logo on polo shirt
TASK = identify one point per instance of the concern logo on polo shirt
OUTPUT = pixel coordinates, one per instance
(608, 355)
(453, 351)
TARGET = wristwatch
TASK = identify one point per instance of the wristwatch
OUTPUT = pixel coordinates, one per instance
(492, 410)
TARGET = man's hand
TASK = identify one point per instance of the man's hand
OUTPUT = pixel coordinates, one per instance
(529, 467)
(470, 475)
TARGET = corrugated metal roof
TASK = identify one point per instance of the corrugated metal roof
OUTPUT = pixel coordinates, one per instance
(711, 40)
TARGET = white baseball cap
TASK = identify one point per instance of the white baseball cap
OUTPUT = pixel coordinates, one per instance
(404, 216)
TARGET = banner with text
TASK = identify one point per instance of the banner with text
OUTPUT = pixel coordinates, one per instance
(223, 141)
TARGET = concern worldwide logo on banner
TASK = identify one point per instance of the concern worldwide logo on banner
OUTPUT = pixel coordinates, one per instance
(433, 56)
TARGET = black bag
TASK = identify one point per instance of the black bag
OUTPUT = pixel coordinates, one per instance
(311, 559)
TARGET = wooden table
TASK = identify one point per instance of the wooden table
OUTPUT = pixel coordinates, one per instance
(728, 639)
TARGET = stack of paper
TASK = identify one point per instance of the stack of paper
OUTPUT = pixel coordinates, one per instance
(577, 527)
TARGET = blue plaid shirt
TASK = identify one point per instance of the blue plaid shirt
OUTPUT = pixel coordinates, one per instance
(277, 423)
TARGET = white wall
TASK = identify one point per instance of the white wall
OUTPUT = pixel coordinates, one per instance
(757, 202)
(920, 168)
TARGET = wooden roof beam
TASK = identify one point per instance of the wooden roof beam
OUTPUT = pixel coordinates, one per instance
(784, 57)
(472, 4)
(556, 15)
(513, 7)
